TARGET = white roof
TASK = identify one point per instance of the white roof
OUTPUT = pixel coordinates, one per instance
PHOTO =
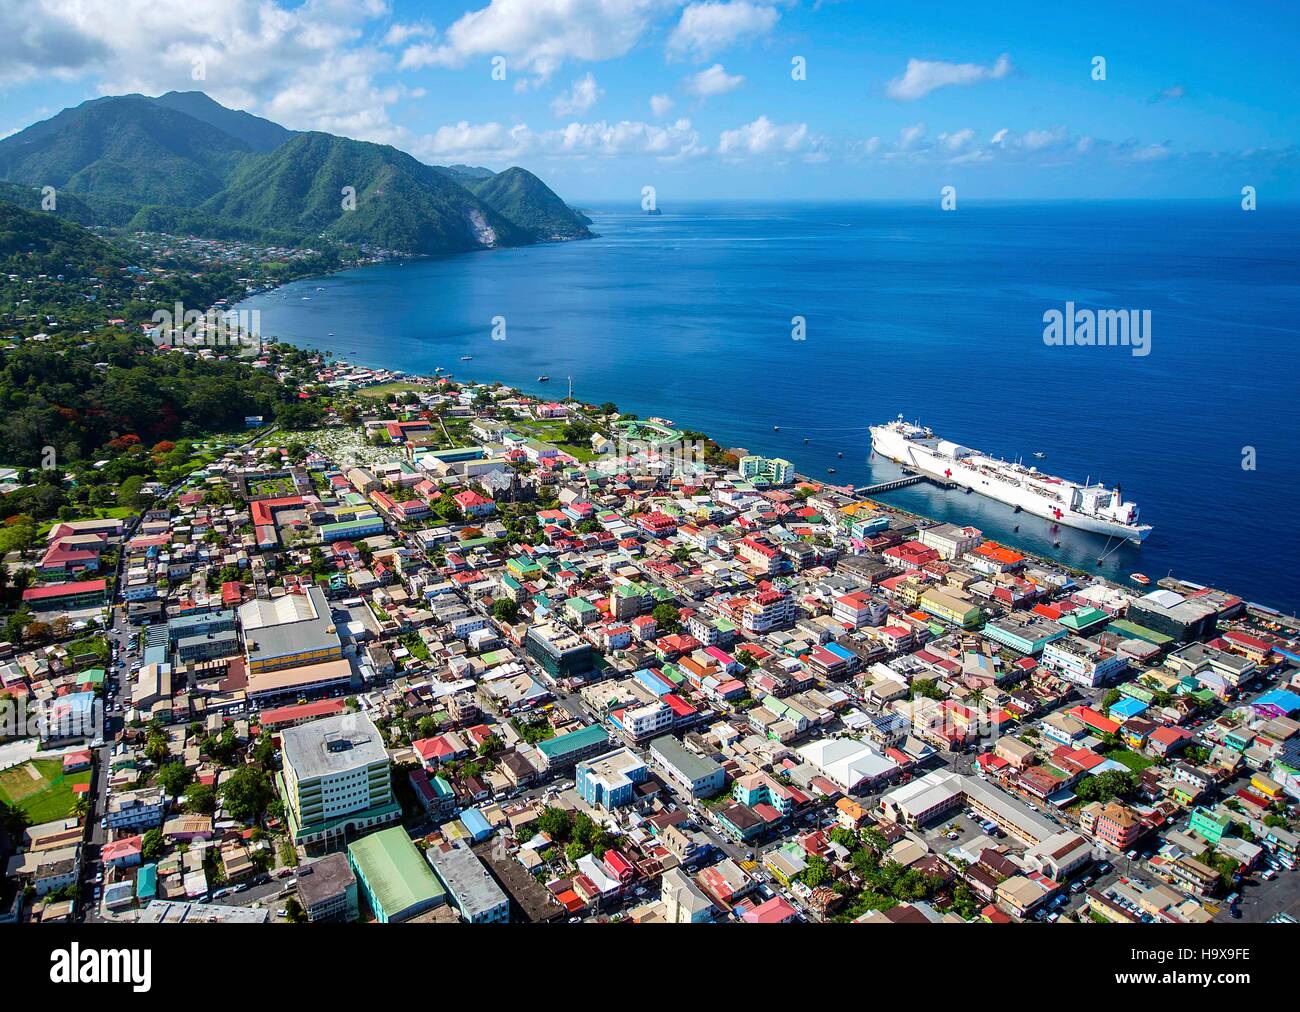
(847, 761)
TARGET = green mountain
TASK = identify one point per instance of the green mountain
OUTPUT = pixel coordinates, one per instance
(259, 134)
(184, 163)
(69, 206)
(528, 202)
(128, 148)
(400, 203)
(38, 242)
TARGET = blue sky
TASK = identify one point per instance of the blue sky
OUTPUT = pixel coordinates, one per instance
(603, 97)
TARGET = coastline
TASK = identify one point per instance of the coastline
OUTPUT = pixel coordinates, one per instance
(623, 316)
(1256, 609)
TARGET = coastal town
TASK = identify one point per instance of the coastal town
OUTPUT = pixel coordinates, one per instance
(457, 652)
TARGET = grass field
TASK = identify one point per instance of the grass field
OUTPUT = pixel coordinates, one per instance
(386, 390)
(1135, 761)
(44, 797)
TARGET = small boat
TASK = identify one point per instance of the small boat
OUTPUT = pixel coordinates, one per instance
(1056, 544)
(805, 440)
(1039, 454)
(840, 455)
(776, 428)
(1016, 528)
(1017, 509)
(543, 378)
(830, 470)
(466, 358)
(1141, 578)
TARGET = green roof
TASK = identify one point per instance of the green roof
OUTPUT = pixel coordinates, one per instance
(397, 876)
(1124, 627)
(565, 743)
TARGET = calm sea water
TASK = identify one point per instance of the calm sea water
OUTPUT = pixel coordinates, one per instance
(937, 316)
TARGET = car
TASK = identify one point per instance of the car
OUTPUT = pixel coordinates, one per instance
(1076, 887)
(1104, 868)
(1235, 913)
(1269, 875)
(1132, 855)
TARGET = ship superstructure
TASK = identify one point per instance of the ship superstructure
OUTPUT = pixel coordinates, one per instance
(1090, 507)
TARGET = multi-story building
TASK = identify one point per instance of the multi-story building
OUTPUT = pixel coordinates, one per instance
(560, 652)
(762, 556)
(1024, 632)
(336, 778)
(565, 750)
(328, 889)
(289, 631)
(610, 781)
(951, 608)
(1115, 825)
(767, 610)
(772, 470)
(139, 809)
(395, 880)
(473, 891)
(1082, 661)
(641, 722)
(699, 776)
(949, 540)
(859, 609)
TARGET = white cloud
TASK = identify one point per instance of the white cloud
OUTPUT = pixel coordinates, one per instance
(582, 96)
(956, 140)
(910, 136)
(540, 36)
(706, 28)
(493, 141)
(714, 81)
(305, 66)
(923, 76)
(398, 33)
(763, 137)
(661, 105)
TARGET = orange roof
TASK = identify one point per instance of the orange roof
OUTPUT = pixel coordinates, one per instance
(998, 553)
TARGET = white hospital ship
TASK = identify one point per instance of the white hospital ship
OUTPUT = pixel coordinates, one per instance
(1089, 507)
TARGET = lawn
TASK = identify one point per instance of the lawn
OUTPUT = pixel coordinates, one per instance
(386, 390)
(44, 797)
(1135, 761)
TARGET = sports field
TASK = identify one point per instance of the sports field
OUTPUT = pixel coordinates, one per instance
(39, 789)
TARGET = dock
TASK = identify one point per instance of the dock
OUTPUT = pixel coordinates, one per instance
(911, 479)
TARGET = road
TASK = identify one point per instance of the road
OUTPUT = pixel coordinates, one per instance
(117, 688)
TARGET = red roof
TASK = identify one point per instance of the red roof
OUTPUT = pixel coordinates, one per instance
(58, 590)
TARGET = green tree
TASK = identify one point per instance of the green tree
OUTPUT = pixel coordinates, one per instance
(246, 793)
(151, 846)
(505, 610)
(174, 777)
(667, 617)
(200, 799)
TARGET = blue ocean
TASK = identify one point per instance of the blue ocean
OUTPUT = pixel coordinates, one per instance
(906, 309)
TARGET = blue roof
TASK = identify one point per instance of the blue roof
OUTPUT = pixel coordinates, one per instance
(842, 652)
(653, 682)
(1283, 699)
(477, 824)
(146, 881)
(1126, 708)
